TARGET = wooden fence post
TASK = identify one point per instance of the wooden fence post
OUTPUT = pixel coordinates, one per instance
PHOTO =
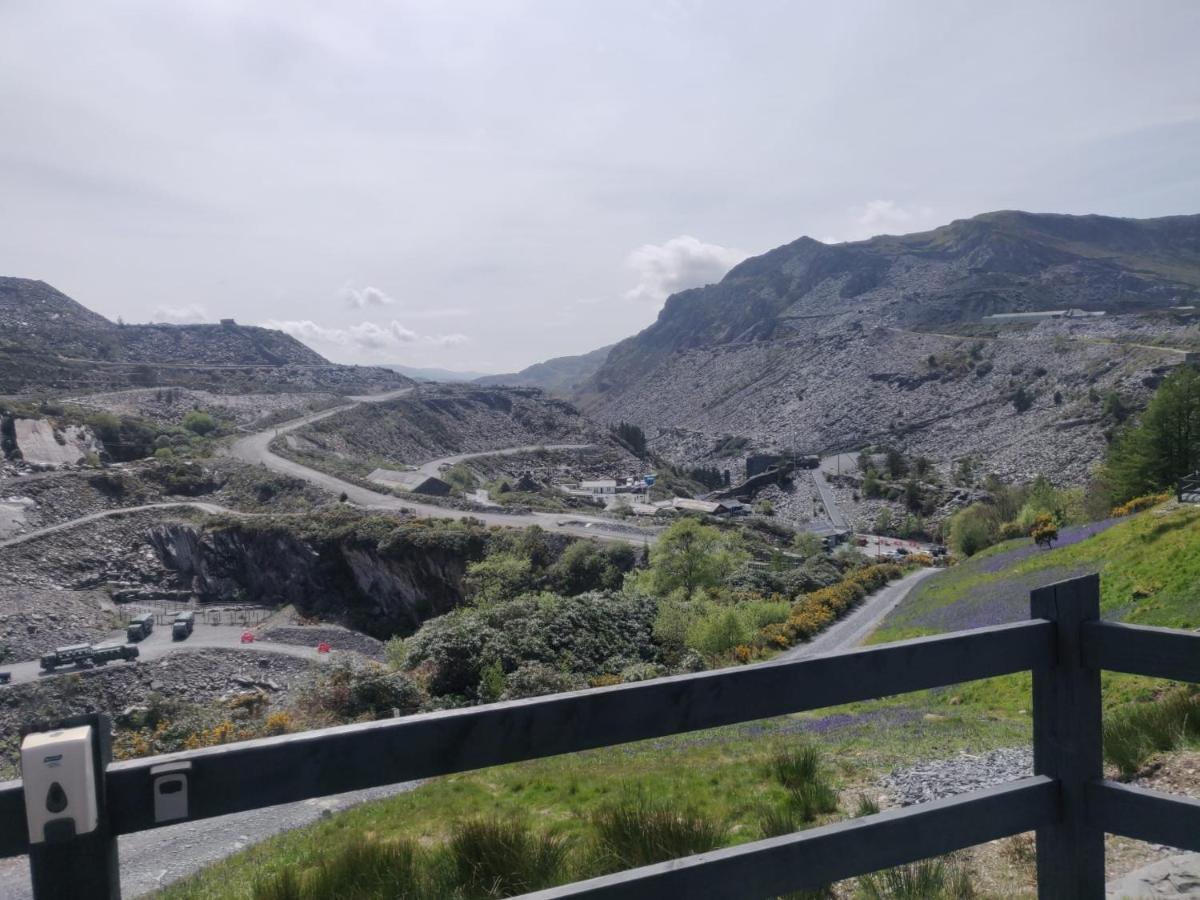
(1067, 743)
(70, 866)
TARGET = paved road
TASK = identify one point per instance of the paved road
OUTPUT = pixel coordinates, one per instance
(831, 508)
(256, 449)
(160, 644)
(855, 628)
(153, 859)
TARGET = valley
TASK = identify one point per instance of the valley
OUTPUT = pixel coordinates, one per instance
(834, 446)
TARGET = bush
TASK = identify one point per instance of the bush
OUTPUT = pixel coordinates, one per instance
(538, 679)
(199, 423)
(802, 772)
(346, 692)
(640, 832)
(504, 857)
(1137, 504)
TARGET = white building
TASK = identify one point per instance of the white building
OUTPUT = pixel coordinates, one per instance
(599, 488)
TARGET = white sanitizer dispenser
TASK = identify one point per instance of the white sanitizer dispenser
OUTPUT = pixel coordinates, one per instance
(60, 784)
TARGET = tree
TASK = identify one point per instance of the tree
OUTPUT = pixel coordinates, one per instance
(500, 577)
(200, 423)
(897, 465)
(1044, 531)
(870, 485)
(914, 495)
(690, 556)
(1164, 445)
(1022, 400)
(807, 544)
(632, 437)
(883, 521)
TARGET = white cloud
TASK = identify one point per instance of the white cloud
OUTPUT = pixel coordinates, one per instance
(180, 315)
(367, 337)
(887, 214)
(359, 298)
(680, 263)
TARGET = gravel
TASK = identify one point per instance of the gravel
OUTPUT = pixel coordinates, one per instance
(935, 779)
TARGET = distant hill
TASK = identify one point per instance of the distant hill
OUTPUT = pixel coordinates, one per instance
(445, 376)
(50, 341)
(562, 375)
(837, 345)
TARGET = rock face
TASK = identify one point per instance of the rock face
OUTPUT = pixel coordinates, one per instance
(40, 444)
(382, 590)
(831, 347)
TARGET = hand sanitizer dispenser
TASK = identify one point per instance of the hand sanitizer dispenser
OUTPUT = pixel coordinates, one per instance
(60, 784)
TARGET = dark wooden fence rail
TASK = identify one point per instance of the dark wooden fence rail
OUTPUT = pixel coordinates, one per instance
(1066, 802)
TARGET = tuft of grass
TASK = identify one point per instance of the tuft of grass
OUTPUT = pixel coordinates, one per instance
(501, 857)
(637, 831)
(802, 771)
(1135, 732)
(867, 806)
(359, 871)
(929, 879)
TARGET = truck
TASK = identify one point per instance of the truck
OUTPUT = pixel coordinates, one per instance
(102, 654)
(140, 627)
(79, 655)
(183, 625)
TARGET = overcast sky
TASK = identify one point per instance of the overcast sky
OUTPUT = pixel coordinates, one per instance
(481, 185)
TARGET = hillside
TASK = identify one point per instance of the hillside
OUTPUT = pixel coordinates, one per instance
(438, 421)
(1149, 565)
(50, 341)
(562, 375)
(882, 339)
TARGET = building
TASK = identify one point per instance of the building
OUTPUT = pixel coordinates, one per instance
(600, 488)
(709, 507)
(410, 482)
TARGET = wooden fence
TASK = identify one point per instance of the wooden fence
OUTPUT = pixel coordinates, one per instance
(1067, 801)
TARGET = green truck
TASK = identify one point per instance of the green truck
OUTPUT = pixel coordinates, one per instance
(183, 625)
(140, 627)
(84, 656)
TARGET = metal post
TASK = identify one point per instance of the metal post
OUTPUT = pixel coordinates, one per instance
(66, 865)
(1067, 743)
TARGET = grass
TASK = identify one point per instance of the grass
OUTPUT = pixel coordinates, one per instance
(639, 831)
(929, 879)
(1149, 567)
(723, 776)
(1136, 731)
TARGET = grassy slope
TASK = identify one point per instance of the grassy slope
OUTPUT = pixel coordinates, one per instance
(1149, 567)
(719, 773)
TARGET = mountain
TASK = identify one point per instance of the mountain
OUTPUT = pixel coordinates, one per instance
(50, 341)
(562, 375)
(444, 376)
(833, 346)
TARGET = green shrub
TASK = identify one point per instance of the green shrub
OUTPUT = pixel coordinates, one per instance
(802, 772)
(639, 832)
(503, 857)
(929, 879)
(200, 423)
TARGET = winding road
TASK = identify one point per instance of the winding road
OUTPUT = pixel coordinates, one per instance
(256, 449)
(849, 632)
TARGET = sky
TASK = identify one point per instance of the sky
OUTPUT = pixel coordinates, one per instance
(482, 185)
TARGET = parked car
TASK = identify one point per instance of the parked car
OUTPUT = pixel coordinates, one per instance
(140, 627)
(5, 677)
(247, 637)
(183, 625)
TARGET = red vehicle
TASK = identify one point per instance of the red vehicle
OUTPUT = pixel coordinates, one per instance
(247, 637)
(323, 647)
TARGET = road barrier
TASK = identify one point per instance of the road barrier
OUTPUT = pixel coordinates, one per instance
(1067, 801)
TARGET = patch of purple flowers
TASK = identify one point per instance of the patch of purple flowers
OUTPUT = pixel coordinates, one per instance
(997, 602)
(1066, 538)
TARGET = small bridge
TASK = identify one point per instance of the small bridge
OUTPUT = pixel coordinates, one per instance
(1067, 801)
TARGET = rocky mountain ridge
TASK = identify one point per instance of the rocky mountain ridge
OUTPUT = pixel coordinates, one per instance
(830, 347)
(49, 341)
(563, 375)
